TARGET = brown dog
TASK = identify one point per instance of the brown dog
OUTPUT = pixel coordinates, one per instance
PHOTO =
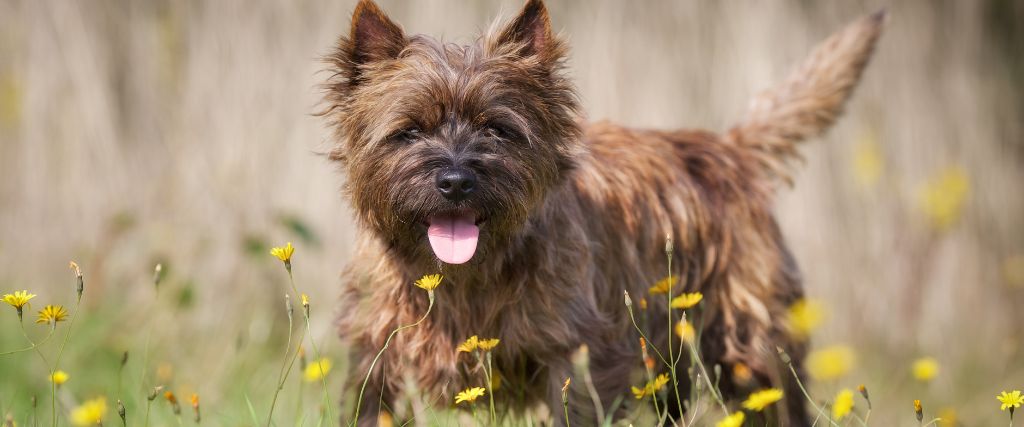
(470, 161)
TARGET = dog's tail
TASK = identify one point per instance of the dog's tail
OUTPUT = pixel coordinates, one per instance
(810, 99)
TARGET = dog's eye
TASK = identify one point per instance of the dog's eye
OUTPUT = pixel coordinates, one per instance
(407, 134)
(500, 132)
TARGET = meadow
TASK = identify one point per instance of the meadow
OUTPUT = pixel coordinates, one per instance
(180, 134)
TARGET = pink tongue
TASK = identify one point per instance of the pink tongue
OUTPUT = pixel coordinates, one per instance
(453, 239)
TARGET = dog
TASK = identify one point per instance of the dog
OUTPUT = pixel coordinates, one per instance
(473, 162)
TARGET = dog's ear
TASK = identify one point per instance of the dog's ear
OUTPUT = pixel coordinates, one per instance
(530, 31)
(374, 37)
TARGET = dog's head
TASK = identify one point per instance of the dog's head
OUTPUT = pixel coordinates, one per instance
(447, 149)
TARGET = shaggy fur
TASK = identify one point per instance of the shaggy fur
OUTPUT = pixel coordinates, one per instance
(574, 214)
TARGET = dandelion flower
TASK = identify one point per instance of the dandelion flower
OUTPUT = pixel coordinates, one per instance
(18, 299)
(488, 344)
(804, 317)
(1010, 400)
(662, 286)
(831, 362)
(685, 301)
(925, 368)
(284, 254)
(90, 413)
(317, 370)
(469, 395)
(842, 405)
(52, 314)
(429, 282)
(651, 387)
(472, 343)
(685, 331)
(942, 198)
(760, 399)
(59, 377)
(734, 420)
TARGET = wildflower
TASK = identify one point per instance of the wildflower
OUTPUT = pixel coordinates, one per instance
(195, 407)
(469, 395)
(685, 301)
(918, 411)
(742, 373)
(864, 392)
(759, 400)
(472, 343)
(1010, 400)
(947, 417)
(90, 412)
(384, 419)
(643, 303)
(488, 343)
(651, 387)
(121, 412)
(662, 286)
(831, 362)
(685, 331)
(734, 420)
(317, 370)
(942, 198)
(59, 377)
(173, 400)
(925, 368)
(868, 162)
(18, 300)
(804, 316)
(78, 275)
(284, 254)
(842, 405)
(305, 300)
(52, 314)
(429, 282)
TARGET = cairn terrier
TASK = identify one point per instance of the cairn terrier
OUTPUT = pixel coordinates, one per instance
(473, 162)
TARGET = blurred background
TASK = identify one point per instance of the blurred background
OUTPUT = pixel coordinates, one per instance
(180, 132)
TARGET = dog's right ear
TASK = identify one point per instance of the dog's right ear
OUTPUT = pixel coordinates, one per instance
(374, 37)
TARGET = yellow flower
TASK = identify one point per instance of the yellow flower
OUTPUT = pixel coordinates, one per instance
(429, 282)
(59, 377)
(488, 344)
(661, 286)
(18, 299)
(685, 301)
(305, 300)
(1010, 400)
(469, 395)
(734, 420)
(742, 373)
(947, 417)
(943, 197)
(759, 400)
(652, 386)
(471, 344)
(831, 362)
(317, 370)
(284, 254)
(90, 413)
(685, 331)
(804, 316)
(52, 314)
(925, 368)
(868, 162)
(843, 404)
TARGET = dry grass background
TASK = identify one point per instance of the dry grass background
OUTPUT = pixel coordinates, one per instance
(137, 132)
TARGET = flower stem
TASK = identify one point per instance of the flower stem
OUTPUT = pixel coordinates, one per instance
(359, 401)
(56, 364)
(316, 350)
(284, 363)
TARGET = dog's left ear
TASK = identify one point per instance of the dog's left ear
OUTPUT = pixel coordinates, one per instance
(530, 31)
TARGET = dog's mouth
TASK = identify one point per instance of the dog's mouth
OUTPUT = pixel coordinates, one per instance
(453, 236)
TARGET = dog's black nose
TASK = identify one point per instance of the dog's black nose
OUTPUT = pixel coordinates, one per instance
(455, 184)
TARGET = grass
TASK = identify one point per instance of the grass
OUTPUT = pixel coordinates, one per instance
(102, 371)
